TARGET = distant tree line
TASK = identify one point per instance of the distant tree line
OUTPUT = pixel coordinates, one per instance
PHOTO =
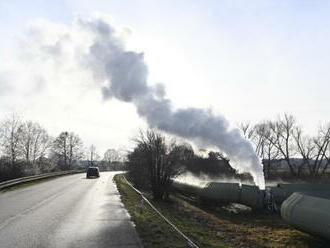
(287, 151)
(113, 159)
(26, 148)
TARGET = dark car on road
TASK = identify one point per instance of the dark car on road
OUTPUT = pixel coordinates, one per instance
(92, 172)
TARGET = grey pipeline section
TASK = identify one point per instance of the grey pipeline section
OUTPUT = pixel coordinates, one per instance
(282, 191)
(304, 206)
(190, 243)
(14, 182)
(308, 213)
(247, 195)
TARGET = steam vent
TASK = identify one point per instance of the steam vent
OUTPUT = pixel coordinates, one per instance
(304, 206)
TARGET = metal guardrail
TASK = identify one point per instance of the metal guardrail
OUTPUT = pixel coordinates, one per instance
(190, 243)
(13, 182)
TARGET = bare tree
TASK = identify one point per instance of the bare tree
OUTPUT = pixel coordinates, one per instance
(323, 143)
(34, 141)
(260, 135)
(155, 162)
(111, 155)
(327, 157)
(60, 149)
(92, 156)
(75, 148)
(111, 158)
(11, 133)
(281, 136)
(314, 150)
(42, 144)
(122, 152)
(247, 129)
(265, 149)
(68, 148)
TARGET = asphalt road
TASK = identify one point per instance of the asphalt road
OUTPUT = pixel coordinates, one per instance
(69, 211)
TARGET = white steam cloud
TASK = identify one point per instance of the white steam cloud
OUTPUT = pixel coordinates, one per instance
(95, 46)
(202, 180)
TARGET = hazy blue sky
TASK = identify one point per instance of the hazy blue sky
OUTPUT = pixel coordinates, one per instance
(248, 60)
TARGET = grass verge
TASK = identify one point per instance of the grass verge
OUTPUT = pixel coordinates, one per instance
(210, 227)
(155, 232)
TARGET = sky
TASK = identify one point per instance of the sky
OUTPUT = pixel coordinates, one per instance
(246, 60)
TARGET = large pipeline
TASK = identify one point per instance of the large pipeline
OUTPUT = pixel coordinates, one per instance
(308, 213)
(284, 191)
(304, 206)
(247, 195)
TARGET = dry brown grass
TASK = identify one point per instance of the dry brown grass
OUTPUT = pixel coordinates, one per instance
(250, 229)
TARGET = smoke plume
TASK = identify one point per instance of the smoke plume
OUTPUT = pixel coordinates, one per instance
(95, 45)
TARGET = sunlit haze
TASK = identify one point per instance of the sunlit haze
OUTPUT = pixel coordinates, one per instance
(246, 62)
